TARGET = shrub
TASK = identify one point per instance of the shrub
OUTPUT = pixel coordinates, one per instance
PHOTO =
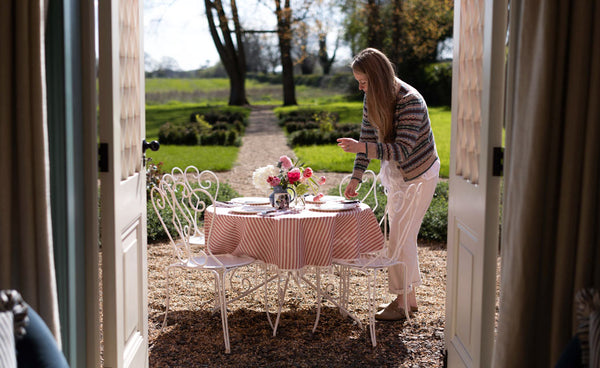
(170, 133)
(309, 126)
(214, 116)
(214, 128)
(435, 222)
(309, 137)
(292, 126)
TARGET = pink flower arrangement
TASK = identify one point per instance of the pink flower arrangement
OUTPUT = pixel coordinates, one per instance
(288, 174)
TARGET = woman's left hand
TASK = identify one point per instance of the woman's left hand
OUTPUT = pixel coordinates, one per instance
(351, 145)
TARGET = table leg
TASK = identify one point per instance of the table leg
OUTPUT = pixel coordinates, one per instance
(322, 295)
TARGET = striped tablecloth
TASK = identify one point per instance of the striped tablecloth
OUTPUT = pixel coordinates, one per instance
(292, 241)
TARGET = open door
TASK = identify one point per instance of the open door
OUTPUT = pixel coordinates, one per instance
(477, 113)
(123, 184)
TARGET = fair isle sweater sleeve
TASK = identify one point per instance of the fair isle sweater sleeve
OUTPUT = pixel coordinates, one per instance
(413, 147)
(367, 134)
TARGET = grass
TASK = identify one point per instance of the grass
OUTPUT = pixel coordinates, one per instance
(350, 112)
(175, 112)
(215, 158)
(329, 158)
(332, 158)
(440, 123)
(216, 91)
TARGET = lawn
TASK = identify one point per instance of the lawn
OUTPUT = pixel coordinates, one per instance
(332, 158)
(326, 158)
(214, 158)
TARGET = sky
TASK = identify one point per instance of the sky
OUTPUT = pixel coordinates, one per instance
(179, 29)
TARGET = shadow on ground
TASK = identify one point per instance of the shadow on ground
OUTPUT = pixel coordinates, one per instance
(195, 339)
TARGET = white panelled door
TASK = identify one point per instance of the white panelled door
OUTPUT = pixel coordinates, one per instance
(477, 113)
(123, 184)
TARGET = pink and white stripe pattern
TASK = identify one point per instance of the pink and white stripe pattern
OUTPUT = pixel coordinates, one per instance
(293, 241)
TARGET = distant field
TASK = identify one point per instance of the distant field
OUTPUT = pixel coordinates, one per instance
(215, 91)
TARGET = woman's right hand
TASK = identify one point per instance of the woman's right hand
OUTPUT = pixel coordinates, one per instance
(350, 191)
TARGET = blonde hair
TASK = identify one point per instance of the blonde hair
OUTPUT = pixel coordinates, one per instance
(381, 94)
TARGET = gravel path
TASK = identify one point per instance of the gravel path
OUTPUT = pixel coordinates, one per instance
(263, 144)
(193, 336)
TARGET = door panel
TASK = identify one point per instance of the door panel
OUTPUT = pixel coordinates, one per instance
(123, 186)
(477, 113)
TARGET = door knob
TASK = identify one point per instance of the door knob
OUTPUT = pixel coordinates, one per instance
(154, 146)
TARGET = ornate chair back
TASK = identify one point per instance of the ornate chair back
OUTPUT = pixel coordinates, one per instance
(180, 209)
(370, 178)
(406, 210)
(194, 178)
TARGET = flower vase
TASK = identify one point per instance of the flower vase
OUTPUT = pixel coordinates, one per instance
(300, 202)
(281, 198)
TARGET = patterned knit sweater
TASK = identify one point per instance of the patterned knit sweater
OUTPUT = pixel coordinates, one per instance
(413, 148)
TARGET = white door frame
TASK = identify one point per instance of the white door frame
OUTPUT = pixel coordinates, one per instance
(478, 89)
(123, 184)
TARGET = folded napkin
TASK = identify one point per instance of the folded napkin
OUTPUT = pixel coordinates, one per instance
(275, 212)
(226, 204)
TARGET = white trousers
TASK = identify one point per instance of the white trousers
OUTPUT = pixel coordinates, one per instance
(393, 181)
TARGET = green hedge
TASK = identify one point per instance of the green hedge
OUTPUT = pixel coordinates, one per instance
(207, 128)
(310, 126)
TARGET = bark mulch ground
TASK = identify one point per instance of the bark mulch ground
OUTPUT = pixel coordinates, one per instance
(193, 336)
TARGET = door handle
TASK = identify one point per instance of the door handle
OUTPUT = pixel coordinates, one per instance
(154, 146)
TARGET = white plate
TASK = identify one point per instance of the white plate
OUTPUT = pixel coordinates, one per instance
(252, 201)
(250, 210)
(334, 207)
(324, 199)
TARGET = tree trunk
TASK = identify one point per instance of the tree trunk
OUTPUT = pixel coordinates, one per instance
(374, 26)
(397, 46)
(233, 60)
(324, 59)
(284, 32)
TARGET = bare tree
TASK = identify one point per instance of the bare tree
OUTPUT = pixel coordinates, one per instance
(326, 20)
(304, 57)
(324, 59)
(375, 29)
(284, 32)
(231, 53)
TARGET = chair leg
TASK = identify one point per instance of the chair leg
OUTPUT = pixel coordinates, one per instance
(371, 280)
(405, 296)
(167, 302)
(267, 308)
(319, 299)
(344, 282)
(220, 284)
(280, 299)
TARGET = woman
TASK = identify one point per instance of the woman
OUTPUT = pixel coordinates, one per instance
(396, 130)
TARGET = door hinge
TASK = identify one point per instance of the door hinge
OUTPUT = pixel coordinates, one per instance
(103, 157)
(498, 163)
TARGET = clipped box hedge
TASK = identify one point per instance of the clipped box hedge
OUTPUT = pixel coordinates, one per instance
(207, 128)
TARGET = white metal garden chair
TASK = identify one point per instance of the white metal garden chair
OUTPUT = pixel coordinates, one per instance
(194, 178)
(371, 263)
(369, 177)
(179, 207)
